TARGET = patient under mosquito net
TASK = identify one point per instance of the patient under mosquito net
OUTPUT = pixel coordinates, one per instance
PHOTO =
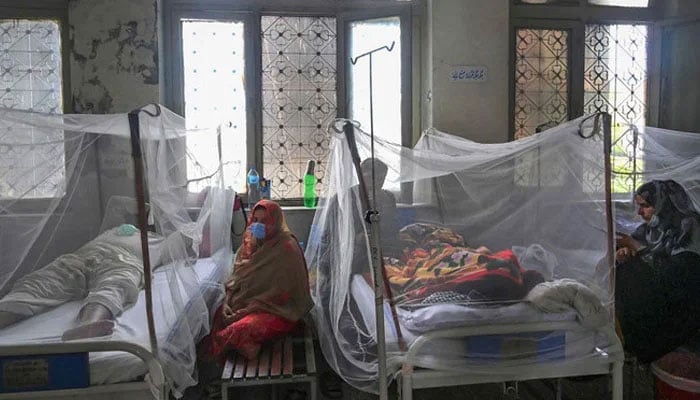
(486, 234)
(65, 254)
(106, 274)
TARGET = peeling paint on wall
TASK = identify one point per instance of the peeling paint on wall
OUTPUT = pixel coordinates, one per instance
(114, 49)
(114, 69)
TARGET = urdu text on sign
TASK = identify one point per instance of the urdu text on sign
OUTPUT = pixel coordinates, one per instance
(469, 74)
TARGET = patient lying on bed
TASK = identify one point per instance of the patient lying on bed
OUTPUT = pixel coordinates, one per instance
(107, 273)
(437, 263)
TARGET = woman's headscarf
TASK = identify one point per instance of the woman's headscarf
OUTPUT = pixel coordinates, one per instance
(674, 223)
(275, 279)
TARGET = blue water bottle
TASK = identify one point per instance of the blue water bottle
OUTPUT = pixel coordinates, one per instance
(253, 187)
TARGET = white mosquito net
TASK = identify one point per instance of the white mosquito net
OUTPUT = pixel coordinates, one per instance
(482, 236)
(64, 253)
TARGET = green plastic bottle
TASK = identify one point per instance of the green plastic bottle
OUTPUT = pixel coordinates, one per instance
(310, 185)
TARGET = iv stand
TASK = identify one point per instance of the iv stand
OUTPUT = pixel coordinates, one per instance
(372, 219)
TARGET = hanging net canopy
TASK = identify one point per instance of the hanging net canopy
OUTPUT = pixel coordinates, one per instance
(72, 264)
(495, 255)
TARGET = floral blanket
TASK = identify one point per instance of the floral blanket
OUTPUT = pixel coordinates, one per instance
(437, 260)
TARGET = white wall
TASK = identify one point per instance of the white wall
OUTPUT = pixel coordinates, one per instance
(467, 32)
(114, 69)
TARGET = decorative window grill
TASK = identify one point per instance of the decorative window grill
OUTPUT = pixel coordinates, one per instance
(298, 98)
(32, 164)
(541, 79)
(615, 79)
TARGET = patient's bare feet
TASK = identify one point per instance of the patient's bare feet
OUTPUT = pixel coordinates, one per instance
(93, 312)
(8, 318)
(90, 330)
(94, 320)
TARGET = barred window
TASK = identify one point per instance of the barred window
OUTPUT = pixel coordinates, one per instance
(31, 162)
(277, 80)
(564, 67)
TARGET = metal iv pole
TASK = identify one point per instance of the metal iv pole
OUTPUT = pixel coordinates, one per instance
(372, 219)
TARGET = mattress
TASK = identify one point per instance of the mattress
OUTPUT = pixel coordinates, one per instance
(131, 326)
(461, 352)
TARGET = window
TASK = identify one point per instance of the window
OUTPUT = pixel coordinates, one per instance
(386, 80)
(563, 69)
(620, 3)
(364, 36)
(541, 79)
(615, 82)
(616, 3)
(32, 163)
(298, 98)
(277, 80)
(214, 90)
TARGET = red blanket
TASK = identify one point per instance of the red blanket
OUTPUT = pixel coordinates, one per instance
(493, 277)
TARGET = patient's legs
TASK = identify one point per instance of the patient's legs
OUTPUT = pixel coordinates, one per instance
(60, 281)
(8, 318)
(114, 285)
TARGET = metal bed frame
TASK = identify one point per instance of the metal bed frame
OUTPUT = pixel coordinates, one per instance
(155, 388)
(155, 385)
(598, 363)
(410, 378)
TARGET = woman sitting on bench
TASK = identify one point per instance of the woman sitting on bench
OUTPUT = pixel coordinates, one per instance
(268, 291)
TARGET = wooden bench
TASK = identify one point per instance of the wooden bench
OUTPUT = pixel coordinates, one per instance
(286, 360)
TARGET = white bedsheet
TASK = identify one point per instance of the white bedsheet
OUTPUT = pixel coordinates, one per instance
(450, 353)
(131, 326)
(443, 316)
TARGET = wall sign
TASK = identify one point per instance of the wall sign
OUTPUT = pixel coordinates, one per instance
(469, 74)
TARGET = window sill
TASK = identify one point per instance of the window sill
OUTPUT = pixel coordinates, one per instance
(298, 208)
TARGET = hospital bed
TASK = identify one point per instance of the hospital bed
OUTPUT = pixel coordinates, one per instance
(122, 366)
(456, 344)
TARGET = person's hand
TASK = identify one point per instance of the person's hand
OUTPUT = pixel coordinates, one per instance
(227, 312)
(238, 314)
(624, 254)
(626, 241)
(241, 264)
(234, 316)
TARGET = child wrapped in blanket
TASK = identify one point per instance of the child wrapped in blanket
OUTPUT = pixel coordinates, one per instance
(106, 273)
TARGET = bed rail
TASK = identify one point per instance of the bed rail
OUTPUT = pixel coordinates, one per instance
(602, 361)
(155, 370)
(500, 329)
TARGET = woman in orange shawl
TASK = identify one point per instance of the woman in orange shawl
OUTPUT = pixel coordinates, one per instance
(268, 291)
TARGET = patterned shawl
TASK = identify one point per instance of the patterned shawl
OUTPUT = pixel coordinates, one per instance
(274, 279)
(674, 226)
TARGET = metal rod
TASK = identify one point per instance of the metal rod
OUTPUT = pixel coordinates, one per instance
(371, 133)
(607, 143)
(373, 225)
(388, 48)
(349, 130)
(381, 280)
(373, 220)
(143, 222)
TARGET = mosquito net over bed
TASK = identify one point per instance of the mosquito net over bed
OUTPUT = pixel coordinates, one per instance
(65, 251)
(495, 255)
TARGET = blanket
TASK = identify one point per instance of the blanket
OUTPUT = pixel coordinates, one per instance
(482, 278)
(439, 266)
